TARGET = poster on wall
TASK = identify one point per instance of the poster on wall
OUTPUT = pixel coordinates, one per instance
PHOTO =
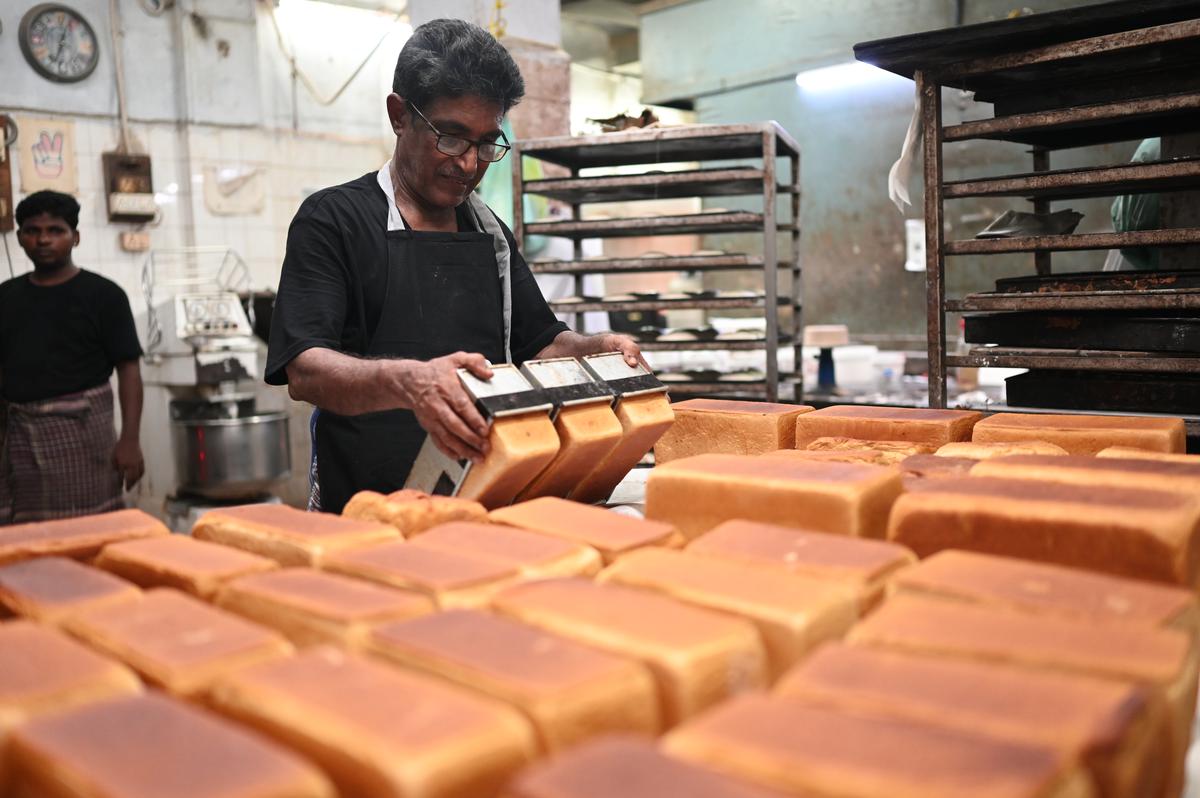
(47, 155)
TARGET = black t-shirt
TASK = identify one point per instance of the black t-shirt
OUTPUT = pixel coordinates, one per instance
(334, 280)
(61, 339)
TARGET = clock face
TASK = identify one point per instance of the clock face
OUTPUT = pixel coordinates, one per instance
(58, 43)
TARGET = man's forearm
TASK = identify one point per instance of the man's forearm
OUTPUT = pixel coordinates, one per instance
(129, 394)
(347, 385)
(569, 343)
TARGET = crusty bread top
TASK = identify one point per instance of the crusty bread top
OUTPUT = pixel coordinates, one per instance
(56, 582)
(508, 544)
(1141, 467)
(1007, 581)
(324, 594)
(733, 406)
(429, 567)
(726, 467)
(76, 536)
(592, 525)
(895, 413)
(1080, 421)
(281, 521)
(982, 451)
(184, 554)
(39, 662)
(1028, 490)
(801, 550)
(934, 466)
(923, 625)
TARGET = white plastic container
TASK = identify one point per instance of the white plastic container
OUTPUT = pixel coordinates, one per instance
(854, 366)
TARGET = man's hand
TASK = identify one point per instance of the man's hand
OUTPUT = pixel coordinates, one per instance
(127, 459)
(571, 344)
(612, 342)
(442, 405)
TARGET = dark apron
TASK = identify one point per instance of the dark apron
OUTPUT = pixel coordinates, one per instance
(443, 296)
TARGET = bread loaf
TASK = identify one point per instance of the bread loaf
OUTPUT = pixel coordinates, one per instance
(1144, 534)
(287, 535)
(1100, 471)
(411, 511)
(919, 468)
(536, 556)
(1130, 453)
(79, 538)
(806, 749)
(521, 448)
(864, 456)
(914, 425)
(793, 613)
(176, 642)
(587, 434)
(193, 566)
(985, 451)
(153, 747)
(886, 452)
(643, 419)
(1112, 728)
(609, 533)
(625, 767)
(698, 493)
(568, 691)
(450, 579)
(723, 426)
(698, 657)
(50, 589)
(1160, 659)
(378, 731)
(1051, 590)
(43, 670)
(1080, 434)
(863, 565)
(313, 607)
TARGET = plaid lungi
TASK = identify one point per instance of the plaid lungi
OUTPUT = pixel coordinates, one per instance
(57, 457)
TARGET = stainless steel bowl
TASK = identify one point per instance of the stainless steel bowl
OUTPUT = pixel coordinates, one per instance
(230, 458)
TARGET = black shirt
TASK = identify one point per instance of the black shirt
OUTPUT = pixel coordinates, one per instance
(334, 280)
(62, 339)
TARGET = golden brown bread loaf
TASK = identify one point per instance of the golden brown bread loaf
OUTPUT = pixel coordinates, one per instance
(643, 419)
(973, 450)
(863, 565)
(412, 511)
(521, 448)
(886, 452)
(914, 425)
(698, 493)
(377, 730)
(450, 579)
(810, 750)
(724, 426)
(1041, 589)
(587, 434)
(312, 607)
(1130, 453)
(1161, 659)
(42, 670)
(79, 538)
(1144, 534)
(50, 589)
(919, 468)
(1111, 728)
(193, 566)
(1080, 434)
(176, 642)
(793, 613)
(568, 691)
(625, 767)
(698, 657)
(865, 456)
(536, 556)
(287, 535)
(1084, 470)
(609, 533)
(152, 747)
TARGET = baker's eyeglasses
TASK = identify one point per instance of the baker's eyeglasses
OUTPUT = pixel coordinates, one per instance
(454, 146)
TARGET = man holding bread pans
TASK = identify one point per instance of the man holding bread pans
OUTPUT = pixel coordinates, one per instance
(393, 281)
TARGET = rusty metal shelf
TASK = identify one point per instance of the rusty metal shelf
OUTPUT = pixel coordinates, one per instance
(701, 346)
(1172, 299)
(715, 303)
(1089, 124)
(1082, 241)
(654, 185)
(1092, 181)
(685, 224)
(681, 263)
(1074, 360)
(661, 145)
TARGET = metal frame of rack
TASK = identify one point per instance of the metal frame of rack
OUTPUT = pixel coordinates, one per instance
(685, 144)
(1151, 89)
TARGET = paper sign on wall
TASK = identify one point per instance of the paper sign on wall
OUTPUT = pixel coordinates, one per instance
(46, 150)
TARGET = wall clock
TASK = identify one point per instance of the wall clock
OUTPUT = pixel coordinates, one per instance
(58, 43)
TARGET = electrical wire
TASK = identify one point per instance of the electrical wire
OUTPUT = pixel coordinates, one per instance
(117, 32)
(8, 255)
(299, 73)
